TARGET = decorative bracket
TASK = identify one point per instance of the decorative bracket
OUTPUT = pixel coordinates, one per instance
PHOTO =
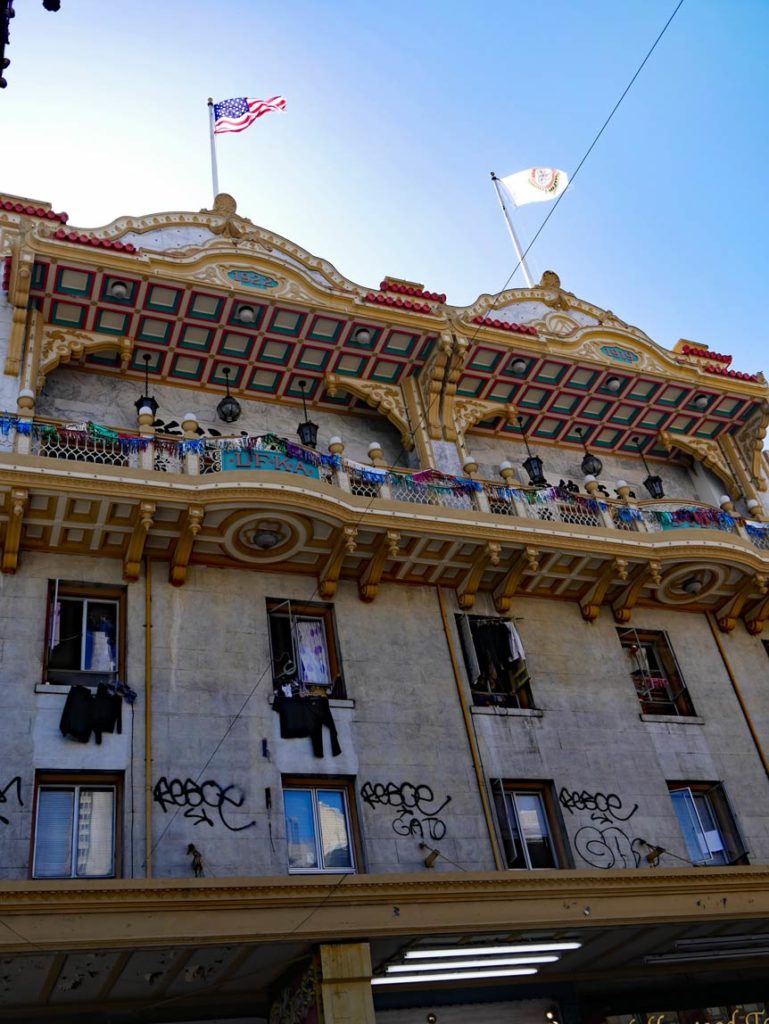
(385, 398)
(438, 380)
(22, 262)
(487, 555)
(591, 601)
(526, 561)
(19, 497)
(62, 346)
(746, 445)
(387, 548)
(623, 606)
(181, 556)
(709, 453)
(730, 610)
(135, 548)
(344, 544)
(469, 411)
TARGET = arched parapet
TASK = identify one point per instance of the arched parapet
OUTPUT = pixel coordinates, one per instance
(60, 345)
(708, 453)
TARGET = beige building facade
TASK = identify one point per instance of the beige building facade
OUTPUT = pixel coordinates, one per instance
(425, 680)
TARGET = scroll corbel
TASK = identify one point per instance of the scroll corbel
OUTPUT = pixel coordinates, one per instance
(136, 542)
(590, 602)
(647, 575)
(184, 545)
(344, 544)
(387, 548)
(19, 497)
(488, 555)
(526, 561)
(730, 610)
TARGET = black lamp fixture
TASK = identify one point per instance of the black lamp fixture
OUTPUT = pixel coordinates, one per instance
(146, 401)
(591, 464)
(652, 483)
(307, 431)
(533, 464)
(229, 408)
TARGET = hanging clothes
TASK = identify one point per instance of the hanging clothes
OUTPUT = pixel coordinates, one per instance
(76, 717)
(311, 652)
(106, 712)
(473, 668)
(306, 716)
(516, 644)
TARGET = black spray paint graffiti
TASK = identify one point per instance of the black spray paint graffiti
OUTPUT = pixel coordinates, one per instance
(197, 797)
(416, 816)
(15, 781)
(608, 846)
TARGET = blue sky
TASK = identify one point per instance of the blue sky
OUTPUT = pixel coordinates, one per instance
(396, 114)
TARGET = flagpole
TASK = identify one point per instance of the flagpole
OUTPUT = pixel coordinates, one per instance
(214, 171)
(511, 229)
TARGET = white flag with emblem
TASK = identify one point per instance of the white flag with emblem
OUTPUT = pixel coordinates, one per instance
(537, 185)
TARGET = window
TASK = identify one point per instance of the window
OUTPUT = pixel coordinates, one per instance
(77, 825)
(658, 680)
(303, 645)
(85, 631)
(707, 822)
(321, 828)
(532, 836)
(495, 662)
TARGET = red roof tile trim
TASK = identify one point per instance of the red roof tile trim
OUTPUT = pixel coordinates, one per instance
(33, 211)
(407, 289)
(388, 300)
(722, 371)
(501, 325)
(97, 243)
(703, 353)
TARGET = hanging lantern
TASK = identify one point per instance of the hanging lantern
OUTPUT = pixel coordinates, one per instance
(229, 408)
(532, 464)
(307, 431)
(146, 401)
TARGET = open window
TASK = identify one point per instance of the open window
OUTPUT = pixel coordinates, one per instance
(85, 633)
(658, 681)
(531, 831)
(304, 648)
(707, 822)
(321, 826)
(77, 832)
(495, 662)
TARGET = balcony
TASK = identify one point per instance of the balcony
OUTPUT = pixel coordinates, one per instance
(195, 499)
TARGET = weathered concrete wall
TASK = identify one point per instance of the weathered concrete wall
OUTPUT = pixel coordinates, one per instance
(72, 395)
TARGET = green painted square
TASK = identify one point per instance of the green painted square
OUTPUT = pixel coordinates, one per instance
(264, 380)
(117, 300)
(606, 438)
(582, 379)
(564, 403)
(548, 428)
(274, 352)
(68, 314)
(351, 366)
(534, 398)
(485, 360)
(709, 430)
(239, 345)
(286, 321)
(625, 414)
(653, 420)
(294, 391)
(110, 322)
(595, 409)
(154, 330)
(643, 390)
(104, 359)
(194, 337)
(205, 307)
(163, 299)
(313, 359)
(351, 342)
(502, 392)
(155, 365)
(325, 328)
(673, 396)
(70, 281)
(550, 372)
(187, 367)
(574, 438)
(681, 424)
(470, 386)
(236, 375)
(386, 371)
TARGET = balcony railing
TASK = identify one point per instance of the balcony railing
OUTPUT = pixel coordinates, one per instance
(91, 443)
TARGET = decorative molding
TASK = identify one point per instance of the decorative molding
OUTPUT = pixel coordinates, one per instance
(387, 548)
(344, 543)
(385, 398)
(645, 575)
(709, 453)
(526, 561)
(438, 384)
(728, 613)
(467, 589)
(591, 601)
(61, 345)
(469, 411)
(181, 557)
(749, 440)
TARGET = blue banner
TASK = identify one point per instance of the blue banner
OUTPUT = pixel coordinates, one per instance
(253, 458)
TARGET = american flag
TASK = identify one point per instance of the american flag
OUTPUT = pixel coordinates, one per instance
(237, 114)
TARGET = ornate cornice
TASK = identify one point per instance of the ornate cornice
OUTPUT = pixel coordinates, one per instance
(386, 398)
(709, 453)
(62, 345)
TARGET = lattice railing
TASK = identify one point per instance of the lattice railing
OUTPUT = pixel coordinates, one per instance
(402, 489)
(574, 513)
(80, 448)
(364, 487)
(211, 461)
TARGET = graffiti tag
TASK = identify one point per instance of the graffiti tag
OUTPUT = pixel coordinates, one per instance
(608, 846)
(15, 781)
(198, 798)
(416, 816)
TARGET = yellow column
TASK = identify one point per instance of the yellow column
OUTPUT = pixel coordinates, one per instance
(346, 984)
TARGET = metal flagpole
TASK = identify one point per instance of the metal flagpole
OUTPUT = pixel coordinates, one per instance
(511, 229)
(214, 171)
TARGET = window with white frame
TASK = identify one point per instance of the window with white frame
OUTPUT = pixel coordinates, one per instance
(321, 830)
(707, 823)
(76, 825)
(84, 634)
(304, 647)
(532, 836)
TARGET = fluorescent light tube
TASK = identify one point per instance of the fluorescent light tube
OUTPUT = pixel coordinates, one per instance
(453, 976)
(532, 947)
(457, 965)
